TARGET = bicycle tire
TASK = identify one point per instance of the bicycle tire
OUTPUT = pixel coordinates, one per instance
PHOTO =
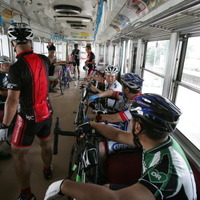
(62, 85)
(73, 162)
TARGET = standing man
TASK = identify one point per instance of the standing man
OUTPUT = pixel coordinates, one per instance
(28, 85)
(90, 62)
(76, 56)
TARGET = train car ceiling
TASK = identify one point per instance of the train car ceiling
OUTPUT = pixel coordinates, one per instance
(103, 20)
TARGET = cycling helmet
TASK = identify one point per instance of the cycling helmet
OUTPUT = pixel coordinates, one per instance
(160, 113)
(111, 69)
(21, 33)
(132, 80)
(4, 59)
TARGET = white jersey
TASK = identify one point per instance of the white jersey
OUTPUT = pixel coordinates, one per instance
(116, 86)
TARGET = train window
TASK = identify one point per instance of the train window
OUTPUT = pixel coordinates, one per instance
(155, 65)
(36, 47)
(45, 50)
(152, 83)
(156, 57)
(4, 47)
(189, 125)
(191, 68)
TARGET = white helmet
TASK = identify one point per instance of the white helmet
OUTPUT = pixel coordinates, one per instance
(4, 59)
(21, 33)
(111, 69)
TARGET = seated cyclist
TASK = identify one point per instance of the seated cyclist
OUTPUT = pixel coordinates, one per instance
(166, 172)
(131, 88)
(110, 83)
(5, 63)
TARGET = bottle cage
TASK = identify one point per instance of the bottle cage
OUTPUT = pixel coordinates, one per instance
(89, 157)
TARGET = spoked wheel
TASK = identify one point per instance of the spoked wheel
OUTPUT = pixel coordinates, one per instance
(73, 163)
(63, 85)
(80, 117)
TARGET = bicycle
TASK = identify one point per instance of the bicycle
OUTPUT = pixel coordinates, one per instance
(83, 164)
(83, 106)
(64, 79)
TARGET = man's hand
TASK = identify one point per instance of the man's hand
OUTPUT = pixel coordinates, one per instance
(3, 132)
(93, 97)
(54, 191)
(84, 128)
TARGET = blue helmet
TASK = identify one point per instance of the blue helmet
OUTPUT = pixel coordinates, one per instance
(132, 80)
(159, 112)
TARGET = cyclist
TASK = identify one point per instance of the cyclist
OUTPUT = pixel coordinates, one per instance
(76, 56)
(131, 88)
(90, 62)
(28, 83)
(5, 63)
(166, 172)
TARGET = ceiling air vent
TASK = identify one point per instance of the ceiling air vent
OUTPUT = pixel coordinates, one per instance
(74, 22)
(67, 9)
(78, 26)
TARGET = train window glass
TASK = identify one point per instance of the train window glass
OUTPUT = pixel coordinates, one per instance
(152, 83)
(156, 56)
(188, 102)
(45, 50)
(191, 69)
(36, 47)
(4, 45)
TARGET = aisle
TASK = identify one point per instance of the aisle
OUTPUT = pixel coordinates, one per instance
(63, 106)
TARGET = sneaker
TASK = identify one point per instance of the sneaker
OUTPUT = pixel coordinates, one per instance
(29, 196)
(4, 155)
(53, 90)
(48, 173)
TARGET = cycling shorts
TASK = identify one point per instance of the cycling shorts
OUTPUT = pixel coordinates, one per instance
(77, 62)
(25, 130)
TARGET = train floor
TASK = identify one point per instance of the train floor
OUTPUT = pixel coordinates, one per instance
(64, 107)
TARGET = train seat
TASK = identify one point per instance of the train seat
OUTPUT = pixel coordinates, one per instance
(124, 168)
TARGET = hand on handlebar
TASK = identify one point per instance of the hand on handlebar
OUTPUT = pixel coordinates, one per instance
(84, 128)
(93, 97)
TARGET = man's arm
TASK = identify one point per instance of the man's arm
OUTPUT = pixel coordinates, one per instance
(107, 117)
(113, 134)
(85, 191)
(10, 106)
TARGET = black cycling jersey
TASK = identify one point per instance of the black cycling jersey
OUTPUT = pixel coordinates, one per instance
(90, 58)
(76, 53)
(3, 85)
(29, 75)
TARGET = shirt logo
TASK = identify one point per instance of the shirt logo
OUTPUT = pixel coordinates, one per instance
(157, 177)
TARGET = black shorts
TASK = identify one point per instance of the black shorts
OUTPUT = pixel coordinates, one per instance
(25, 130)
(77, 63)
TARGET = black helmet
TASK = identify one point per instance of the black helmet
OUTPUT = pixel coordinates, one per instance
(21, 33)
(160, 113)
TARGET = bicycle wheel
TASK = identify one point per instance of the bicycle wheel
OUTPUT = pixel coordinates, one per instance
(62, 84)
(75, 167)
(80, 116)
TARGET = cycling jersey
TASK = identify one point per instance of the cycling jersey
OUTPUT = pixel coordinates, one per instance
(76, 54)
(90, 58)
(3, 85)
(29, 75)
(167, 173)
(115, 86)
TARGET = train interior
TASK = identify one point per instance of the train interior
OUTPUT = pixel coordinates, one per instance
(157, 39)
